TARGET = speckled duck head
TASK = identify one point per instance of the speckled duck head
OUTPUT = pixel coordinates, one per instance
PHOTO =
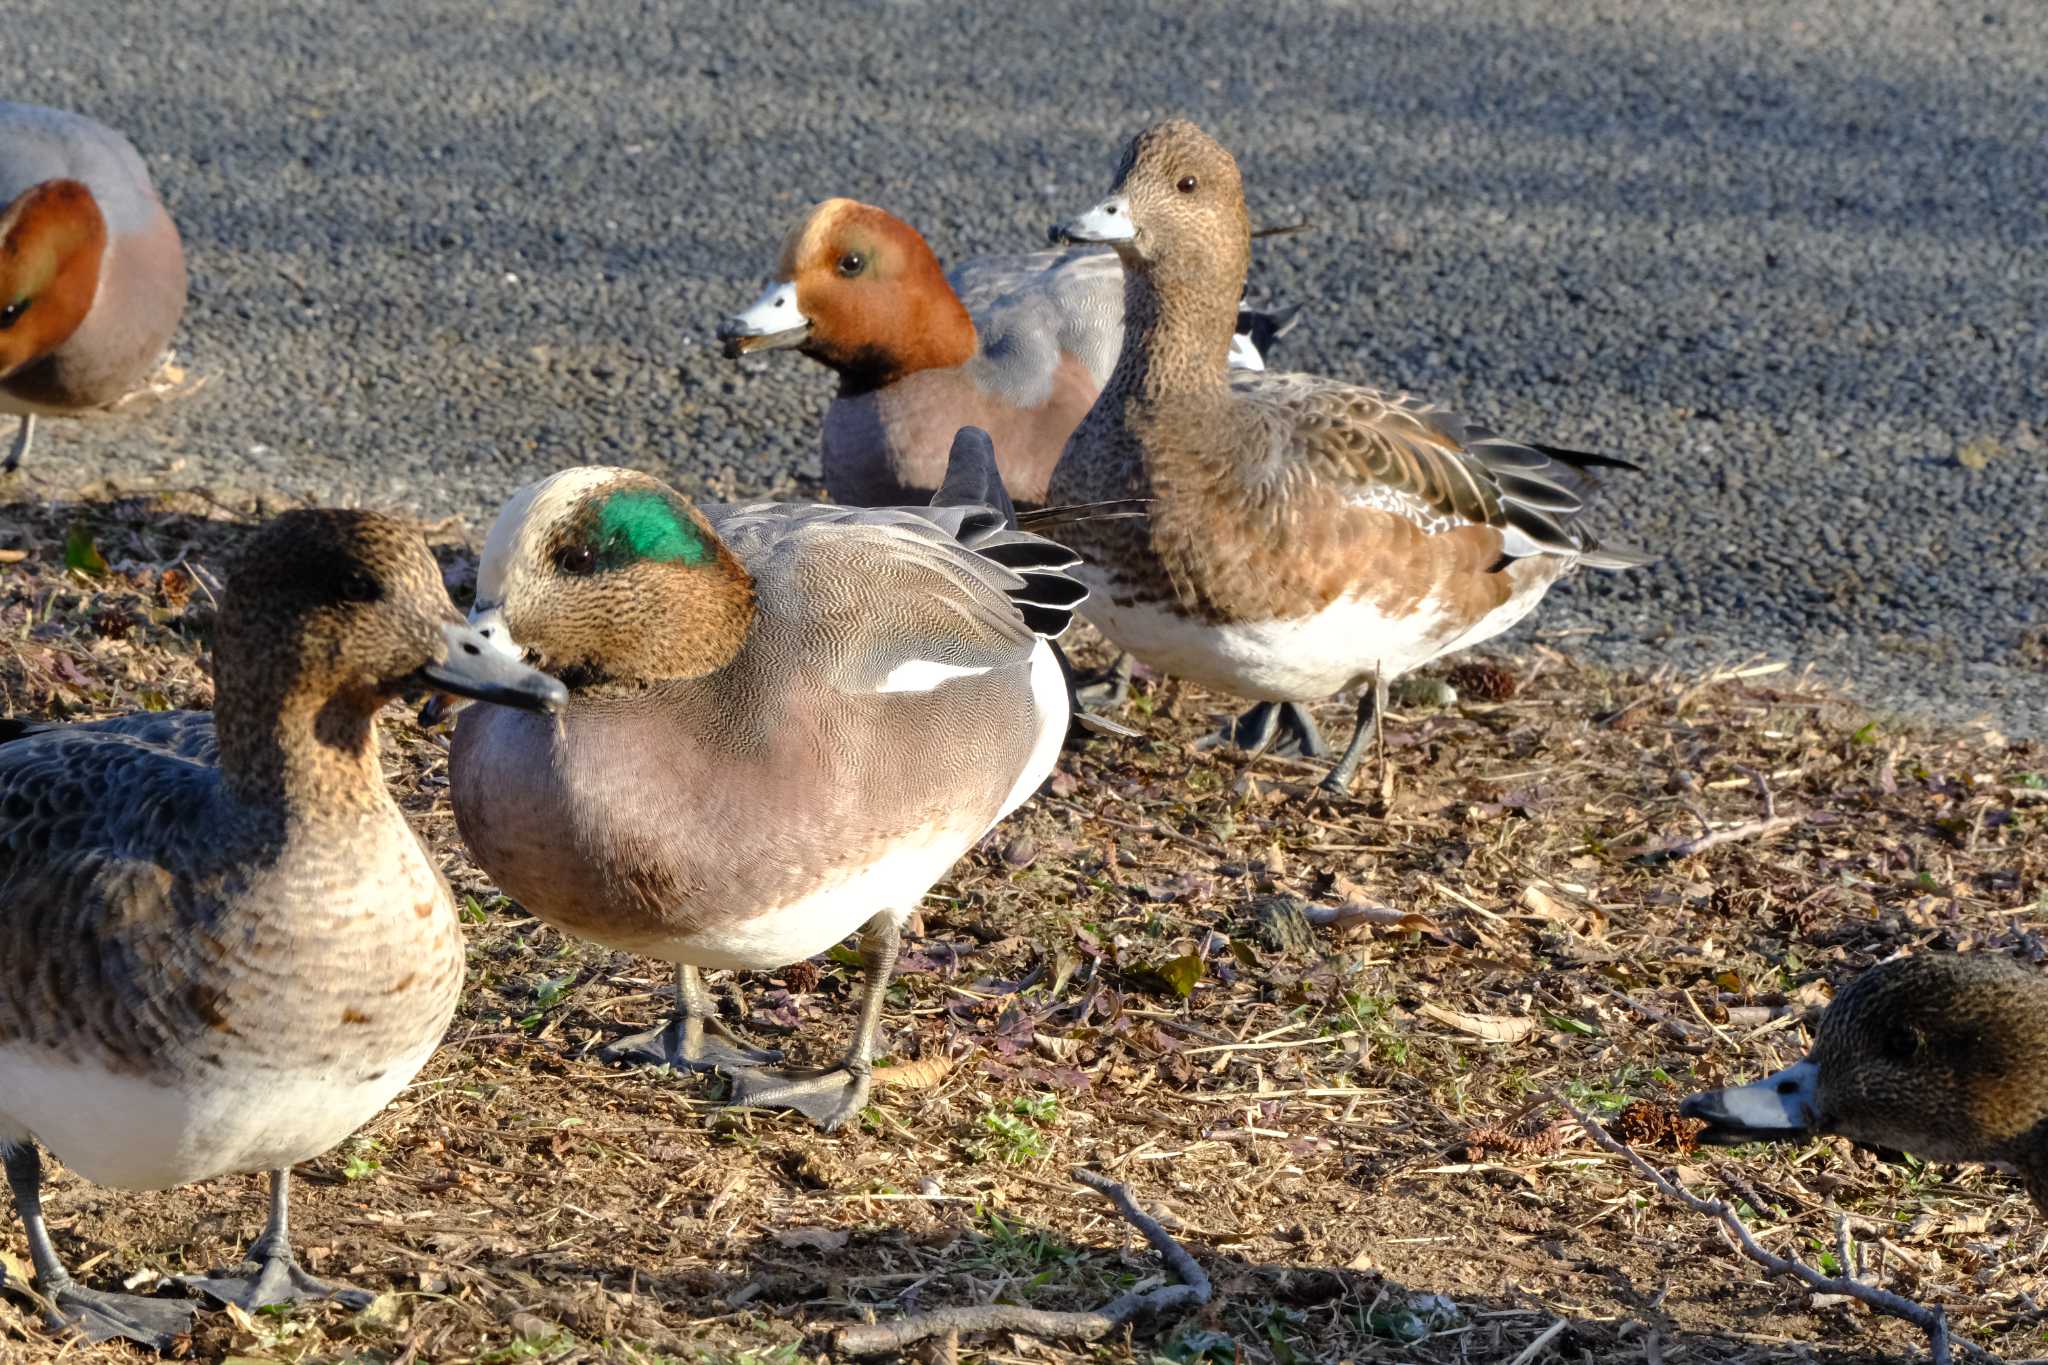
(327, 615)
(610, 576)
(52, 240)
(1944, 1055)
(858, 289)
(1176, 211)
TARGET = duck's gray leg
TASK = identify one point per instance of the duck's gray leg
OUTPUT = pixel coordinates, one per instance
(272, 1274)
(1280, 727)
(98, 1316)
(829, 1096)
(1105, 687)
(1372, 708)
(692, 1040)
(23, 438)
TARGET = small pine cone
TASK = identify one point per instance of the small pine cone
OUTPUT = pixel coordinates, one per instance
(1645, 1123)
(1482, 681)
(800, 977)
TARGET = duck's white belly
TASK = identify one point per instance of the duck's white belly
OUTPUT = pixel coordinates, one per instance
(133, 1133)
(896, 881)
(780, 935)
(1298, 658)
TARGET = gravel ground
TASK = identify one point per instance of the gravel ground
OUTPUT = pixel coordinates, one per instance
(1787, 255)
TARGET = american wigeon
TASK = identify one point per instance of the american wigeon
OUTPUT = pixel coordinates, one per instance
(786, 721)
(1306, 535)
(1017, 346)
(221, 946)
(1944, 1055)
(92, 275)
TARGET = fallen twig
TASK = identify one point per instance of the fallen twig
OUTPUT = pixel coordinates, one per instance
(1535, 1348)
(1933, 1321)
(1151, 827)
(878, 1338)
(1700, 843)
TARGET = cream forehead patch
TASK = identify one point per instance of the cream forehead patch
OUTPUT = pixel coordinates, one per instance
(810, 234)
(527, 517)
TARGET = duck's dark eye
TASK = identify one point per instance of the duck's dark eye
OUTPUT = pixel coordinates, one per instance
(852, 263)
(576, 559)
(1899, 1043)
(11, 314)
(1188, 184)
(360, 587)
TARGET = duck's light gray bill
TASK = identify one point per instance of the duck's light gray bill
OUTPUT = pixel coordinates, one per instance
(479, 668)
(772, 322)
(1780, 1106)
(1108, 221)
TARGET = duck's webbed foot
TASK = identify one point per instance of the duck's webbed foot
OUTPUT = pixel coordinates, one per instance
(692, 1039)
(98, 1315)
(827, 1096)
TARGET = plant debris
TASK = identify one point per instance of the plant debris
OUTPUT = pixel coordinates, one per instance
(1156, 972)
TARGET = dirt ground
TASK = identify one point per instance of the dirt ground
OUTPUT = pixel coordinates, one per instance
(1349, 1130)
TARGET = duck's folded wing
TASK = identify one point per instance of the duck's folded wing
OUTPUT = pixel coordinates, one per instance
(1034, 311)
(986, 279)
(881, 599)
(96, 924)
(1423, 462)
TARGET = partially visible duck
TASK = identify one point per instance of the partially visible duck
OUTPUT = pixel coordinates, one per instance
(786, 721)
(1306, 535)
(221, 946)
(1944, 1055)
(1015, 345)
(92, 275)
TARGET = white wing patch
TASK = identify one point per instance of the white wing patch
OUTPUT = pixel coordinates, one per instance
(1382, 498)
(1243, 354)
(924, 675)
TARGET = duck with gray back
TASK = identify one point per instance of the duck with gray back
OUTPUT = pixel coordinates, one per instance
(92, 274)
(221, 946)
(1306, 535)
(786, 721)
(1944, 1055)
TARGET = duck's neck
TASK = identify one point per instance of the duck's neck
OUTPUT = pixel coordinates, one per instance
(1177, 329)
(293, 748)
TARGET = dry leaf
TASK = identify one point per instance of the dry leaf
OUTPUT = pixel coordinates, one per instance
(815, 1239)
(1493, 1028)
(1378, 916)
(1055, 1047)
(245, 1324)
(915, 1075)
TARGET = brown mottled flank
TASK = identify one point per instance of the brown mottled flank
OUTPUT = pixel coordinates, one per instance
(726, 752)
(190, 891)
(1278, 494)
(87, 246)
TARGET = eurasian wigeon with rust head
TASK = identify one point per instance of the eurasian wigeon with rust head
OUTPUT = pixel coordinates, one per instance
(222, 948)
(1017, 346)
(1944, 1055)
(1305, 535)
(92, 274)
